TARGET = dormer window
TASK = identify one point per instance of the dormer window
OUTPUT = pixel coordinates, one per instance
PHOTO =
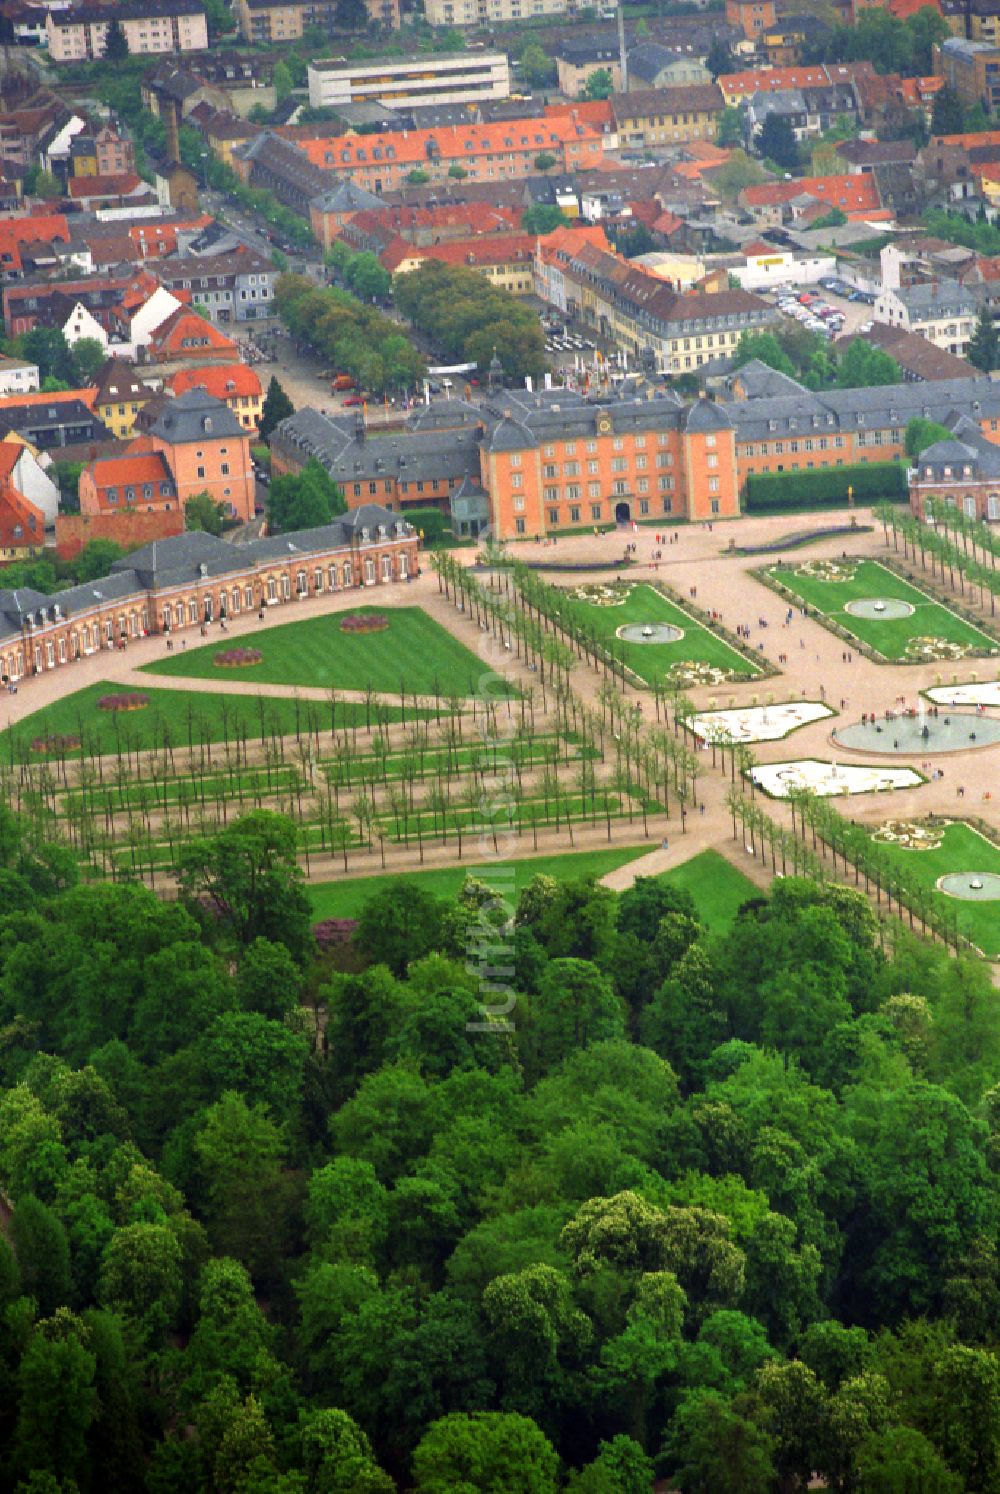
(947, 472)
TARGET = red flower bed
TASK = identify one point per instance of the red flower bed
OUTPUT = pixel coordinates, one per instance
(364, 622)
(134, 702)
(56, 742)
(238, 658)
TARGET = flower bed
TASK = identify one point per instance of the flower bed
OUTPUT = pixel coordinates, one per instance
(55, 742)
(132, 702)
(364, 622)
(827, 570)
(692, 672)
(238, 658)
(909, 834)
(926, 648)
(603, 593)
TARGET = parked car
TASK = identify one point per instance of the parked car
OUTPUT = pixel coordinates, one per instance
(352, 400)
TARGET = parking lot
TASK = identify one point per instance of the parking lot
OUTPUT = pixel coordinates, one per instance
(829, 312)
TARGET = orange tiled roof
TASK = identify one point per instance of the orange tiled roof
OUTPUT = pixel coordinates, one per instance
(185, 331)
(704, 150)
(572, 239)
(452, 142)
(119, 185)
(223, 380)
(501, 249)
(852, 194)
(903, 9)
(666, 223)
(29, 228)
(18, 512)
(598, 113)
(777, 79)
(987, 137)
(916, 91)
(139, 466)
(85, 396)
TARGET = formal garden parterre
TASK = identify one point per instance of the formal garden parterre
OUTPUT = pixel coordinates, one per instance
(385, 650)
(942, 849)
(696, 656)
(911, 626)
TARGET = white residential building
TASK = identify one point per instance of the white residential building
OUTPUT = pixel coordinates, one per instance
(942, 311)
(434, 79)
(82, 323)
(17, 376)
(29, 475)
(492, 12)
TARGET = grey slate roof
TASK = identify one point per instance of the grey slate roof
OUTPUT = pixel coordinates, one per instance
(352, 456)
(761, 381)
(889, 406)
(968, 447)
(706, 415)
(194, 415)
(346, 197)
(937, 298)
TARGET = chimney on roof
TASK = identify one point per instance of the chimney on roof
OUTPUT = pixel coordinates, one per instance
(622, 54)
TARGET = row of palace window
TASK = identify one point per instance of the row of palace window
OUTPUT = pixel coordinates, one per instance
(619, 489)
(617, 444)
(175, 615)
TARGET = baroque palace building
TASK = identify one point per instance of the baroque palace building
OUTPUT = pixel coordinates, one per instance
(192, 579)
(532, 464)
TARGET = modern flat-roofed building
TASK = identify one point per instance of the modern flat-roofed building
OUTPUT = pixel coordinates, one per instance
(434, 79)
(971, 69)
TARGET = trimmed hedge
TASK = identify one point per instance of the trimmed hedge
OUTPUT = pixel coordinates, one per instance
(826, 487)
(435, 525)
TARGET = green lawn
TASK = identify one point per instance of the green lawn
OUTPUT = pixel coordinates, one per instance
(891, 636)
(962, 850)
(344, 899)
(717, 888)
(413, 652)
(212, 717)
(651, 661)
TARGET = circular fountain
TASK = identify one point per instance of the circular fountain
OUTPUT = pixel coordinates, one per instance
(948, 732)
(879, 609)
(649, 633)
(975, 887)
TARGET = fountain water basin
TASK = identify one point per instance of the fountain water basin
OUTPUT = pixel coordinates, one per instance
(974, 887)
(879, 609)
(949, 731)
(649, 633)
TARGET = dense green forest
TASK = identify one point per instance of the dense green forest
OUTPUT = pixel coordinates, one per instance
(282, 1216)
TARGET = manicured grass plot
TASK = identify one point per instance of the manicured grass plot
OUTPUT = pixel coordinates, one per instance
(888, 636)
(961, 850)
(653, 661)
(172, 717)
(345, 899)
(412, 652)
(718, 889)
